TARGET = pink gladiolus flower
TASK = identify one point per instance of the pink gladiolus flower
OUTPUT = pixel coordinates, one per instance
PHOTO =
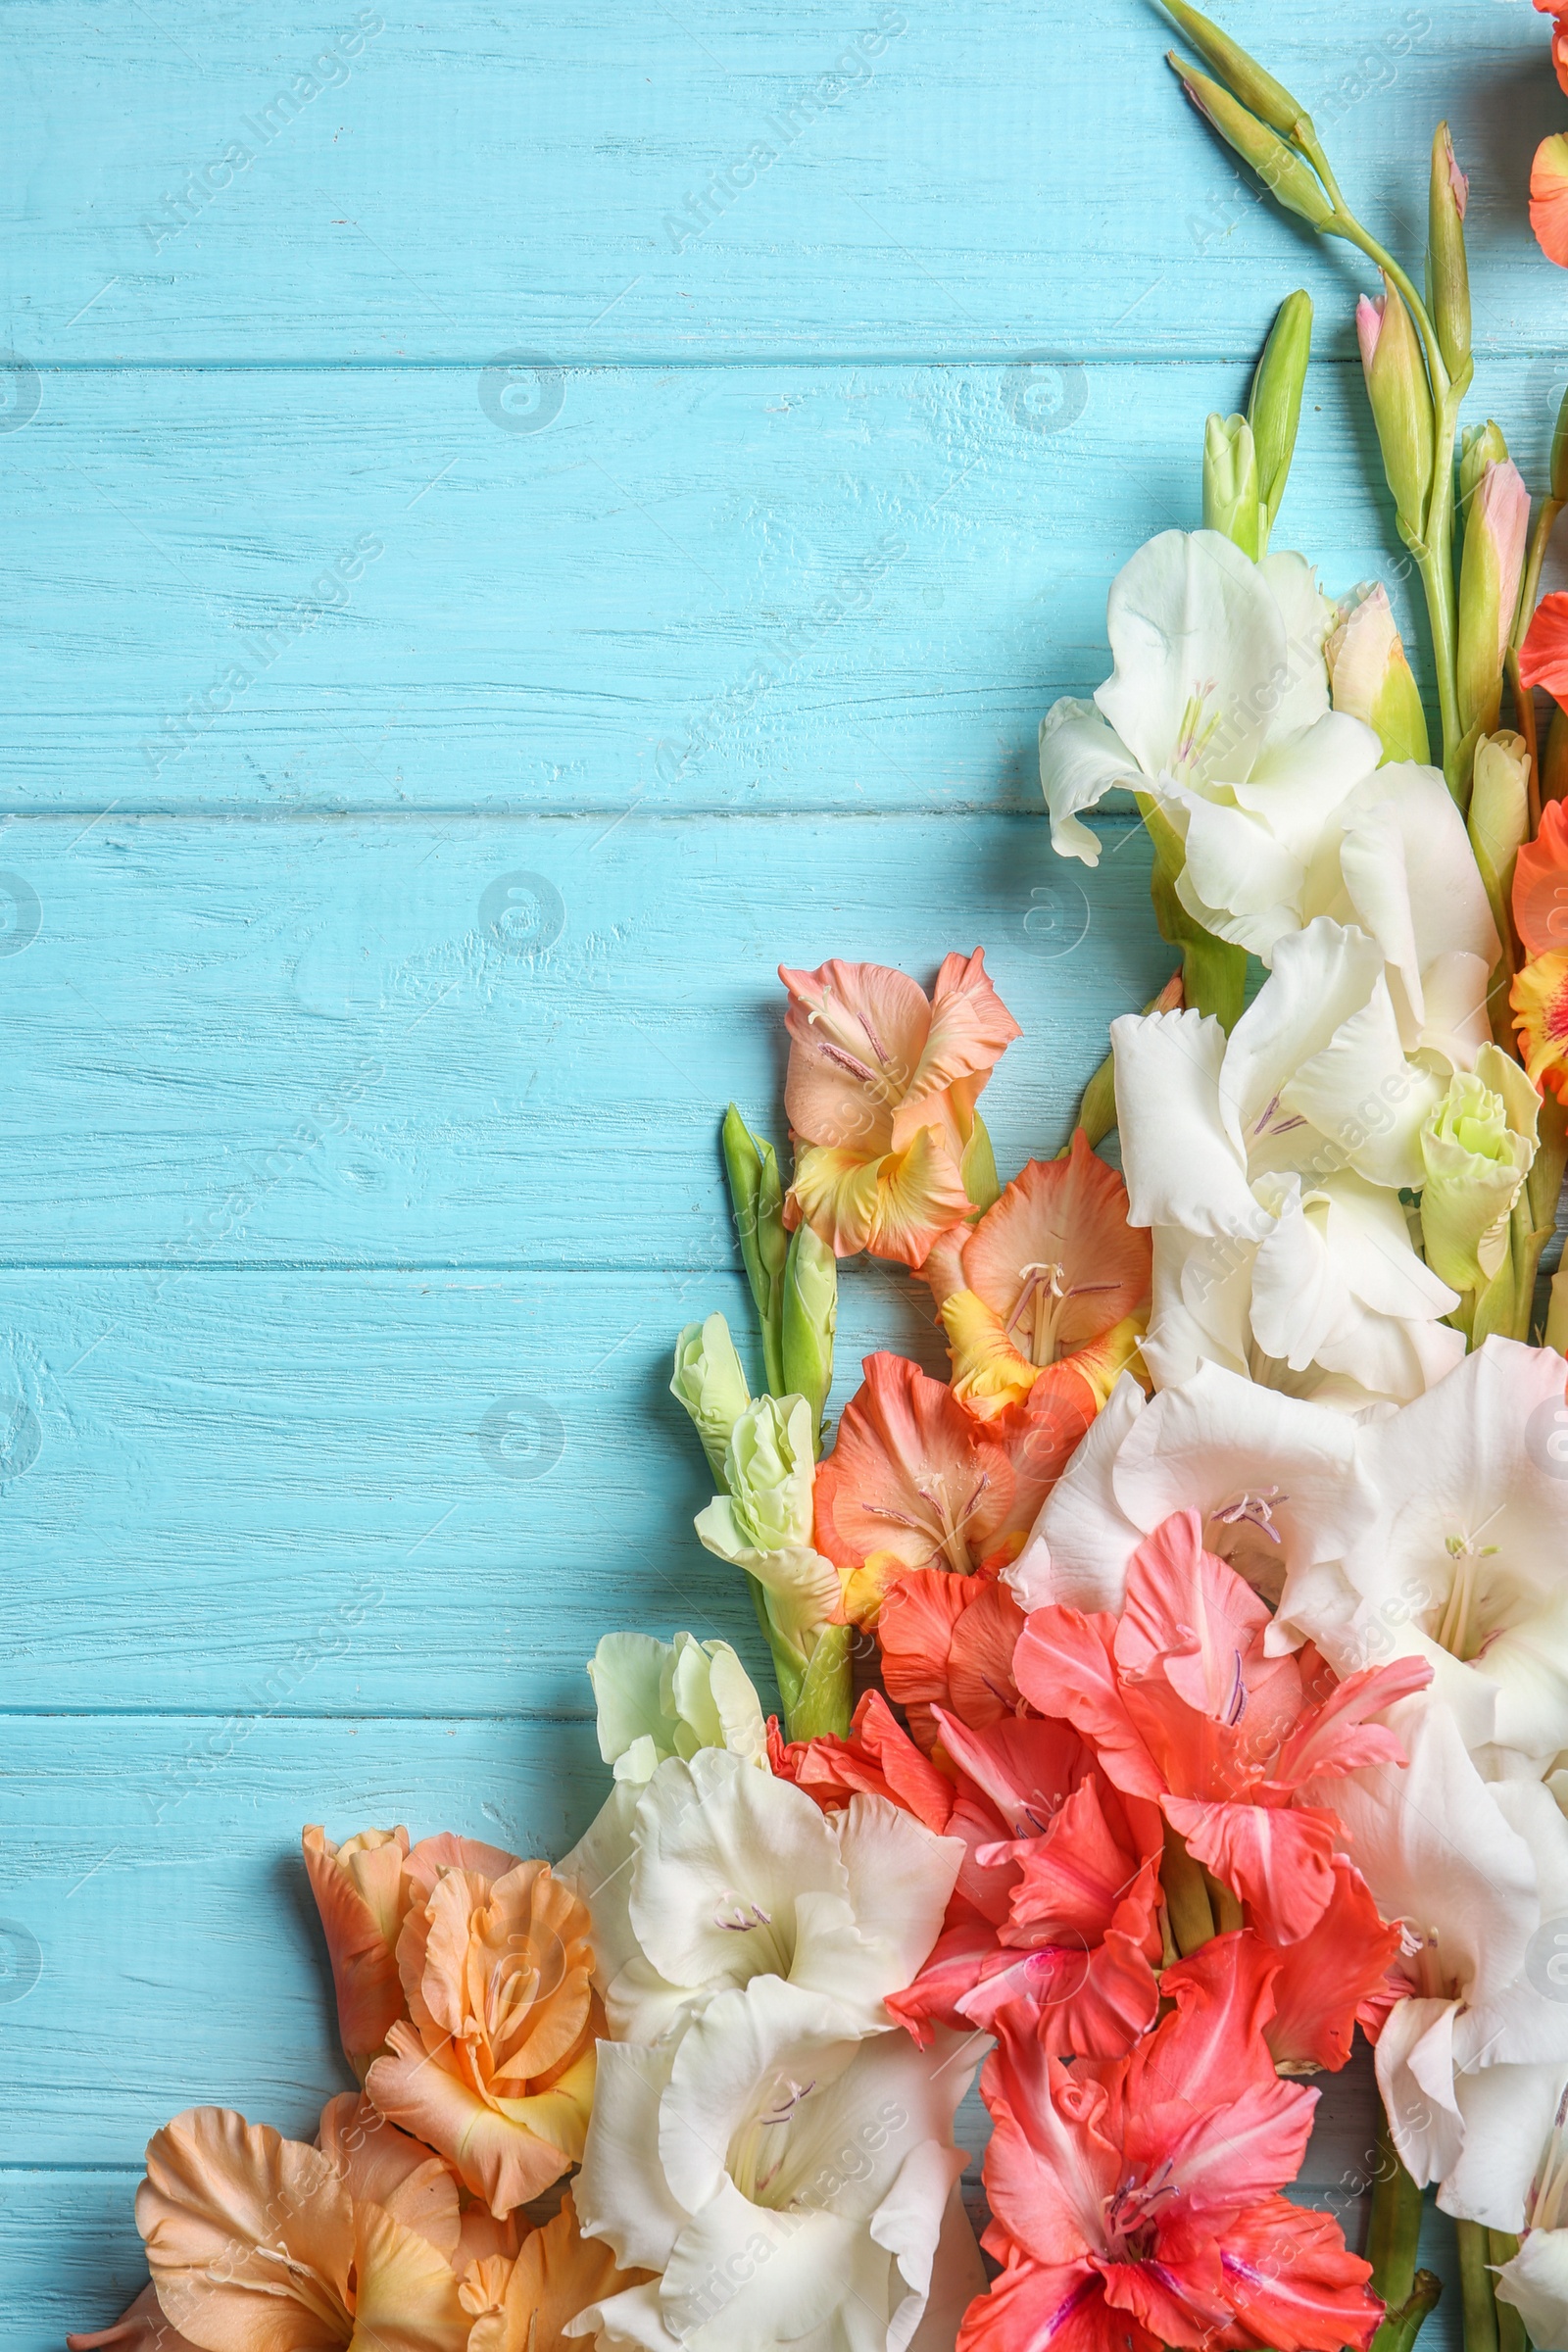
(1136, 2199)
(881, 1092)
(1184, 1707)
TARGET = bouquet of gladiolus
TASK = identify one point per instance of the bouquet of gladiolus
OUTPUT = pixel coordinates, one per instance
(1174, 1692)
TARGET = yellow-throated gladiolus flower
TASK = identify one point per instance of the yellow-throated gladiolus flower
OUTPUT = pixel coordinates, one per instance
(881, 1092)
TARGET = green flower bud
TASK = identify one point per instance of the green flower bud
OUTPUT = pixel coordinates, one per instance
(658, 1699)
(1274, 409)
(1230, 482)
(1265, 96)
(809, 1318)
(1447, 273)
(1559, 453)
(1402, 403)
(758, 1199)
(1371, 679)
(1496, 526)
(710, 1384)
(1477, 1146)
(1480, 446)
(1282, 172)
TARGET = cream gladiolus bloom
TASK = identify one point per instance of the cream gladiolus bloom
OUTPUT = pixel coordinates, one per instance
(1217, 712)
(658, 1699)
(1268, 1165)
(788, 2187)
(735, 1874)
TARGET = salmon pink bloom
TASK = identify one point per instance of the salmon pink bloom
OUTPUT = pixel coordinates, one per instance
(947, 1641)
(496, 2069)
(1184, 1707)
(1136, 2200)
(1539, 992)
(881, 1090)
(1559, 37)
(915, 1481)
(1051, 1268)
(361, 1896)
(1548, 182)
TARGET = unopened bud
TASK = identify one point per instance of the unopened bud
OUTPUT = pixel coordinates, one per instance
(1402, 403)
(811, 1313)
(1266, 97)
(710, 1384)
(1281, 172)
(1480, 446)
(1559, 453)
(1447, 273)
(1495, 532)
(1370, 678)
(759, 1198)
(1498, 821)
(1274, 409)
(1230, 483)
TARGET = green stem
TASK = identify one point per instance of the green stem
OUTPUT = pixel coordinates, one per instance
(1395, 2227)
(1475, 2286)
(1187, 1904)
(826, 1696)
(1540, 538)
(1501, 2248)
(1401, 2328)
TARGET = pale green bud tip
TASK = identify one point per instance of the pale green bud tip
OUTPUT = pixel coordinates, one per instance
(1447, 273)
(1281, 172)
(1477, 1146)
(811, 1318)
(1274, 409)
(658, 1699)
(1480, 446)
(1255, 90)
(709, 1382)
(1230, 482)
(1401, 402)
(1371, 679)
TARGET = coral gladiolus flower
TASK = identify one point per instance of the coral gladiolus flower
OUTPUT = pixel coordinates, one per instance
(1136, 2200)
(916, 1482)
(1540, 992)
(1548, 197)
(496, 2070)
(881, 1092)
(1559, 37)
(1543, 656)
(1183, 1706)
(1050, 1269)
(947, 1641)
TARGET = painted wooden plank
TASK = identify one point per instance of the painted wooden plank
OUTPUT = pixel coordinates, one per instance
(778, 586)
(488, 1040)
(203, 180)
(285, 1495)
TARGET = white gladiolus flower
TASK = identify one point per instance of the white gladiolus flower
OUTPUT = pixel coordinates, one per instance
(658, 1700)
(1217, 712)
(788, 2187)
(1268, 1165)
(734, 1875)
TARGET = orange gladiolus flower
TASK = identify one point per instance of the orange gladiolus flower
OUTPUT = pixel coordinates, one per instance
(914, 1481)
(881, 1090)
(1559, 37)
(1548, 198)
(1051, 1269)
(496, 2069)
(1540, 992)
(947, 1641)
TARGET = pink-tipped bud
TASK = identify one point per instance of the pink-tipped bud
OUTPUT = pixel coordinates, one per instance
(1368, 328)
(1495, 530)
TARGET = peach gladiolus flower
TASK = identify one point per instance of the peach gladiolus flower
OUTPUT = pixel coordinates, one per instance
(142, 2328)
(1548, 198)
(522, 2305)
(1051, 1268)
(362, 1891)
(496, 2069)
(1539, 990)
(881, 1090)
(914, 1481)
(258, 2243)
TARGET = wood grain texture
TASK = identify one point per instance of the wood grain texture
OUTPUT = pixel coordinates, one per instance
(1012, 175)
(490, 1042)
(350, 1211)
(780, 587)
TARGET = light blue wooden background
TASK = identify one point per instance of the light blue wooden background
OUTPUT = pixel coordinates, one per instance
(729, 624)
